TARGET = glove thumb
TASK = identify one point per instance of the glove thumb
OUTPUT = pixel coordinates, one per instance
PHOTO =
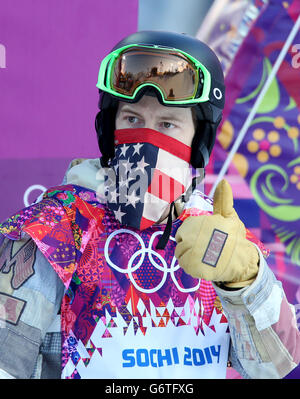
(223, 201)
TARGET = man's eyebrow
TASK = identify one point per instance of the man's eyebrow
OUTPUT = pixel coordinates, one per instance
(129, 110)
(171, 116)
(167, 114)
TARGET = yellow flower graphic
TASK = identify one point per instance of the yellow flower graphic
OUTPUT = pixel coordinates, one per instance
(295, 177)
(265, 144)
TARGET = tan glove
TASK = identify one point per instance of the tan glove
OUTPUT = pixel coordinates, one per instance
(214, 247)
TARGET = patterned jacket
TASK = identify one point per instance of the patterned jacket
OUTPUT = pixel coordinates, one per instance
(264, 338)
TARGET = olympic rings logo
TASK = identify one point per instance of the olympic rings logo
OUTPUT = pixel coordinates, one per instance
(163, 267)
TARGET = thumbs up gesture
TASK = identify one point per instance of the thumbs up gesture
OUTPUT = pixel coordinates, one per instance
(214, 247)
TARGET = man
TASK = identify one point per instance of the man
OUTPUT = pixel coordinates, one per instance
(101, 250)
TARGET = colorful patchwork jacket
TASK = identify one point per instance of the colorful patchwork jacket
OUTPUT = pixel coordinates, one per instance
(126, 309)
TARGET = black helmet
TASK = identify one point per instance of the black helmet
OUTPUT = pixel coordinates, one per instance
(208, 113)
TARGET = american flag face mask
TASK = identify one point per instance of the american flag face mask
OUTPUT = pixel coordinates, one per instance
(149, 172)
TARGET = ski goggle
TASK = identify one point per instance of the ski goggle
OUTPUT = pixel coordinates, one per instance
(179, 77)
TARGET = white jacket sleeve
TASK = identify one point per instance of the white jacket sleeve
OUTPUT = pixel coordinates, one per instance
(263, 327)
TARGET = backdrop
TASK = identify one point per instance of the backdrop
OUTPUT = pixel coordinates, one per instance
(50, 53)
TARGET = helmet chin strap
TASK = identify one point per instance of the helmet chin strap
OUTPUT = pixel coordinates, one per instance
(166, 234)
(205, 154)
(195, 181)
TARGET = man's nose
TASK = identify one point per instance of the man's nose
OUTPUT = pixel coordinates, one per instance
(150, 123)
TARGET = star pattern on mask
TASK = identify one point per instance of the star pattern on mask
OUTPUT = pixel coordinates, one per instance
(123, 149)
(113, 196)
(141, 165)
(126, 166)
(124, 180)
(119, 214)
(137, 148)
(129, 164)
(132, 199)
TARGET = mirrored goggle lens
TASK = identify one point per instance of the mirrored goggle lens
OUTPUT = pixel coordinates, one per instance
(174, 74)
